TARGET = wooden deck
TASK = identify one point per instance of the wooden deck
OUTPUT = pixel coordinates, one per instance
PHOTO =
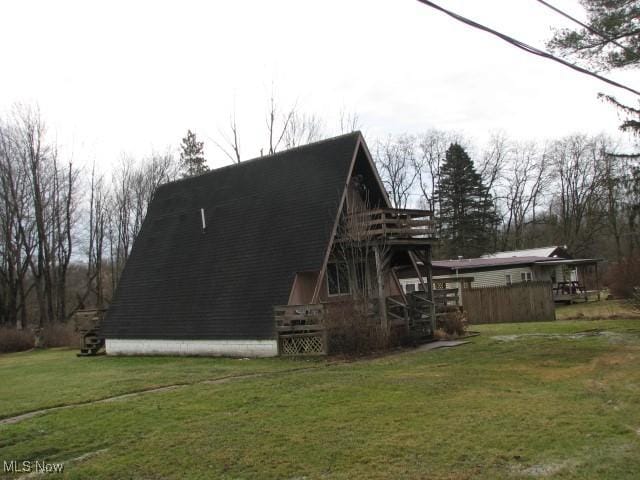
(571, 292)
(391, 225)
(300, 329)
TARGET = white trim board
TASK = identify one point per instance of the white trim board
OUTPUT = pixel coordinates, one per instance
(211, 348)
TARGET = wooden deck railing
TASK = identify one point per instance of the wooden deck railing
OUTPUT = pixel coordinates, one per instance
(300, 329)
(390, 223)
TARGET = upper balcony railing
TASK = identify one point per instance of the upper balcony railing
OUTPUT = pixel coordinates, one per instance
(389, 224)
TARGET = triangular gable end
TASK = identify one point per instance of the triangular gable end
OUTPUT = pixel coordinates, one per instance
(361, 164)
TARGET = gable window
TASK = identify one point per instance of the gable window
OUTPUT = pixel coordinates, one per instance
(337, 279)
(508, 278)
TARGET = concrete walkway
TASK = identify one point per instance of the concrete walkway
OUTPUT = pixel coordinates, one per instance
(440, 344)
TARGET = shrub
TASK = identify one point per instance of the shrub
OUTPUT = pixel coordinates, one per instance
(440, 334)
(14, 340)
(623, 277)
(60, 335)
(351, 331)
(453, 325)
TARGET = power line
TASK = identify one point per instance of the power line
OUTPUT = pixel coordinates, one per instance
(589, 28)
(526, 47)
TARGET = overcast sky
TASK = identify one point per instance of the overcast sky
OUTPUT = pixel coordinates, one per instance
(132, 76)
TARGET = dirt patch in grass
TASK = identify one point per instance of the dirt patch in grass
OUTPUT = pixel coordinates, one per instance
(543, 470)
(600, 363)
(613, 337)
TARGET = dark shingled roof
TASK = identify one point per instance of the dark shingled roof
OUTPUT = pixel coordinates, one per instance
(266, 219)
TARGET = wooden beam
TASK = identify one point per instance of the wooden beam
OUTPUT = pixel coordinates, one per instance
(426, 260)
(382, 304)
(417, 269)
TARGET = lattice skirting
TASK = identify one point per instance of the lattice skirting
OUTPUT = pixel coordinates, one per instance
(305, 344)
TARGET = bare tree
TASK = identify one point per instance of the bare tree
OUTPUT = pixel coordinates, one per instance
(432, 147)
(17, 240)
(39, 199)
(63, 218)
(277, 123)
(349, 121)
(230, 145)
(525, 179)
(578, 203)
(302, 129)
(395, 158)
(33, 153)
(98, 224)
(493, 160)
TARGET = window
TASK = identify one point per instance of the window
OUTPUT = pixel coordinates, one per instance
(409, 287)
(508, 278)
(337, 279)
(525, 276)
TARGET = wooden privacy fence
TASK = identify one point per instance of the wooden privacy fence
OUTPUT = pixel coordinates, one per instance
(300, 329)
(521, 302)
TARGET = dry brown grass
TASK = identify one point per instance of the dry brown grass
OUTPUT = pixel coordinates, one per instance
(602, 310)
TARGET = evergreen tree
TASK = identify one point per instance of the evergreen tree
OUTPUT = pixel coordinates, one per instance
(617, 41)
(612, 41)
(467, 214)
(192, 161)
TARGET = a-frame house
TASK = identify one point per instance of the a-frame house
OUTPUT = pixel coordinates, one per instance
(308, 226)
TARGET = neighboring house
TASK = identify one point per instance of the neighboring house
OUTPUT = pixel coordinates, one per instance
(217, 252)
(546, 252)
(569, 277)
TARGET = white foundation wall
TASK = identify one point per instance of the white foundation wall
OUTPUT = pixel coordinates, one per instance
(212, 348)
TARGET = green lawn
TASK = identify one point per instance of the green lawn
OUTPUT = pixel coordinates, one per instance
(520, 401)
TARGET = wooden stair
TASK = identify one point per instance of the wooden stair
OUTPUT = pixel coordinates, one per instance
(417, 313)
(91, 345)
(87, 325)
